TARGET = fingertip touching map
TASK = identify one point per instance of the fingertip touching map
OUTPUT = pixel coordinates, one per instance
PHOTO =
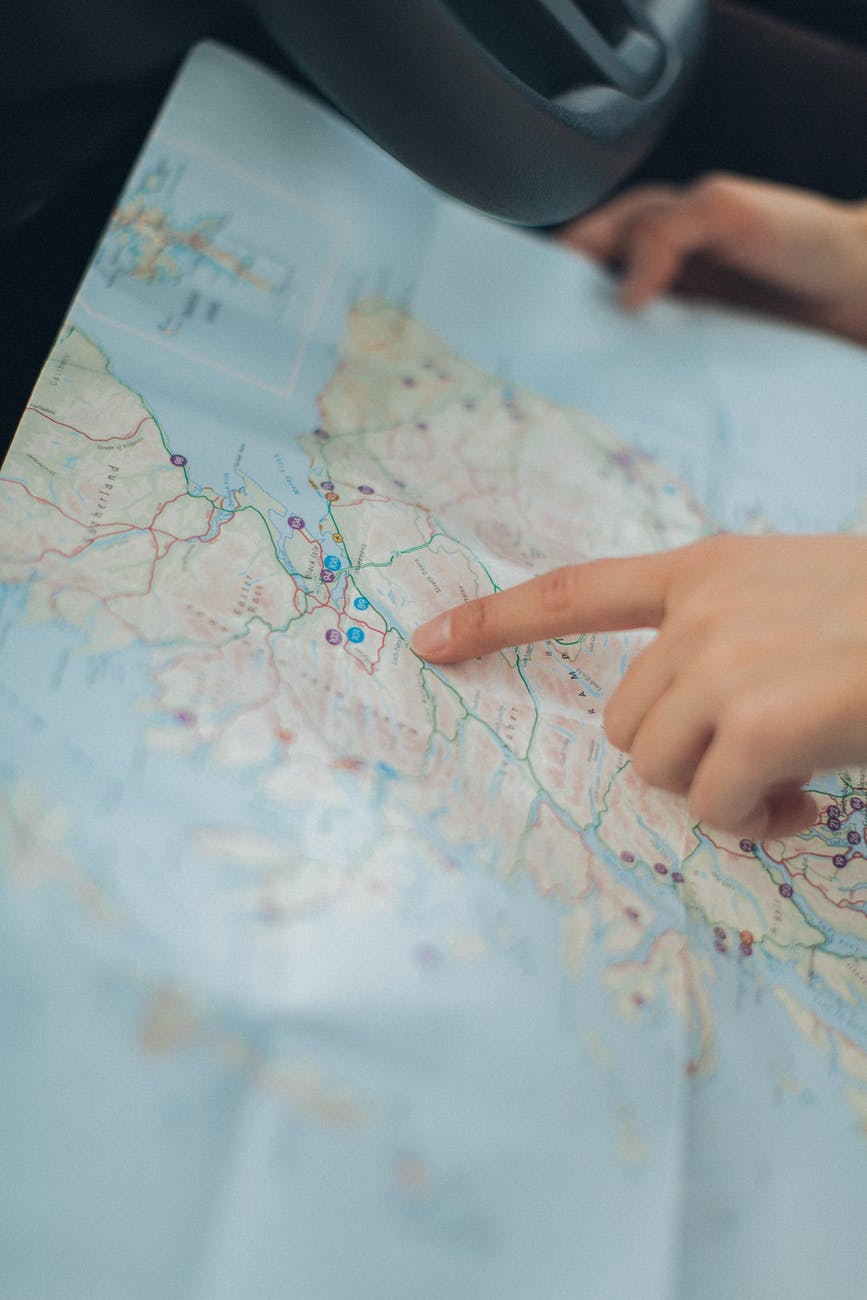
(328, 973)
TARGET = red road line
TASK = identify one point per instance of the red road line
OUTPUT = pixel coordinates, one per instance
(115, 437)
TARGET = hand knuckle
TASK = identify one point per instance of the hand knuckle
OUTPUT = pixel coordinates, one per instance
(474, 619)
(698, 620)
(716, 179)
(750, 726)
(719, 548)
(722, 664)
(718, 188)
(654, 230)
(558, 588)
(648, 763)
(731, 200)
(704, 806)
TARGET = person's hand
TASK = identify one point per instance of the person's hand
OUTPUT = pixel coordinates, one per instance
(770, 247)
(757, 677)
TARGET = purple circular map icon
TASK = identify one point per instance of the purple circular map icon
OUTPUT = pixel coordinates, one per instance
(178, 460)
(327, 485)
(295, 521)
(839, 860)
(856, 803)
(363, 487)
(786, 891)
(427, 954)
(333, 637)
(326, 575)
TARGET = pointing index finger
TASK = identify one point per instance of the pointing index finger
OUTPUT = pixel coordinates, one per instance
(601, 596)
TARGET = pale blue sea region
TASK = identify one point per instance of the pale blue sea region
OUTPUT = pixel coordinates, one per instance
(756, 417)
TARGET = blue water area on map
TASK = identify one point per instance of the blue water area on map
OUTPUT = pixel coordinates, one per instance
(206, 262)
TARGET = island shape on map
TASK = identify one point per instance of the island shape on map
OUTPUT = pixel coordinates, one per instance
(278, 646)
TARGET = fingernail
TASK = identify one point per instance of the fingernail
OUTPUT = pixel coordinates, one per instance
(433, 637)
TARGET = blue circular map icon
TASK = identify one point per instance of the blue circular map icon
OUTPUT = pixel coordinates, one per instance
(332, 562)
(355, 634)
(361, 602)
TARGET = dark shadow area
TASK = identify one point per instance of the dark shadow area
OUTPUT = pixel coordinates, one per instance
(773, 100)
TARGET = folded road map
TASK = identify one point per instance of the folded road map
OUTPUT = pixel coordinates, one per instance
(326, 974)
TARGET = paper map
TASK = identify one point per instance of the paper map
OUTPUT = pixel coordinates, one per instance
(327, 974)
